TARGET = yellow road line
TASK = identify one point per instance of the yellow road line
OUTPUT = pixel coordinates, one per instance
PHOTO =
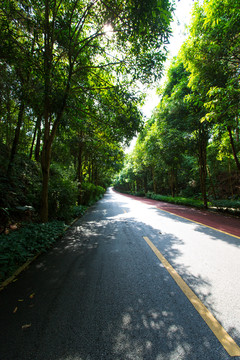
(225, 339)
(183, 217)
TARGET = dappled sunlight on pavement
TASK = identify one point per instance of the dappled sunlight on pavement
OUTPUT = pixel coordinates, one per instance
(102, 294)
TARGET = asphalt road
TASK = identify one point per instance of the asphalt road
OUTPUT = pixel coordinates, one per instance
(102, 293)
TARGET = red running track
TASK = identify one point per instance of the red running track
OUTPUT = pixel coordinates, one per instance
(226, 223)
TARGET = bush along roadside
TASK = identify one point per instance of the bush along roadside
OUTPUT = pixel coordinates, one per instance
(177, 200)
(174, 200)
(23, 244)
(31, 239)
(228, 206)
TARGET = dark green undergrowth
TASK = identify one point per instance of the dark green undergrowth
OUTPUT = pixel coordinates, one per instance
(174, 200)
(227, 206)
(31, 239)
(78, 211)
(20, 245)
(91, 193)
(177, 200)
(21, 234)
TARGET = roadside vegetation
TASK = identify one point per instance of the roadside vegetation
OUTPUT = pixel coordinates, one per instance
(70, 100)
(23, 235)
(225, 206)
(189, 150)
(69, 103)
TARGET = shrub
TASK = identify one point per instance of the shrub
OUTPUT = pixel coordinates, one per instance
(63, 193)
(21, 245)
(176, 200)
(91, 193)
(226, 204)
(78, 211)
(23, 186)
(139, 193)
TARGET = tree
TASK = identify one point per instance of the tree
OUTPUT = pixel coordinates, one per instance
(211, 54)
(173, 133)
(73, 53)
(198, 114)
(180, 112)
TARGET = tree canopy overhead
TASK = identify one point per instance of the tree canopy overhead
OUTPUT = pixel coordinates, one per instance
(85, 54)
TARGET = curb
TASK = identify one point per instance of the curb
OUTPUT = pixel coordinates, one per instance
(17, 272)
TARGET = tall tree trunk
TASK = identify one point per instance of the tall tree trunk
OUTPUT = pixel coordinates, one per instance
(46, 153)
(92, 180)
(154, 181)
(45, 164)
(230, 178)
(34, 136)
(202, 157)
(9, 120)
(79, 170)
(16, 138)
(233, 148)
(211, 182)
(172, 181)
(96, 176)
(49, 135)
(38, 143)
(237, 130)
(145, 184)
(89, 169)
(46, 150)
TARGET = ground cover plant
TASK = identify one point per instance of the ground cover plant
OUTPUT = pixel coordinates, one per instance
(23, 244)
(179, 200)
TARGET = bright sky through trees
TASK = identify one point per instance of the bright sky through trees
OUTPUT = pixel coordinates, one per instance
(181, 20)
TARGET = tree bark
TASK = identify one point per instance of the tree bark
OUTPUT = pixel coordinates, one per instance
(46, 150)
(9, 120)
(145, 185)
(38, 143)
(211, 182)
(172, 181)
(45, 164)
(16, 138)
(34, 136)
(79, 170)
(230, 178)
(49, 134)
(202, 156)
(154, 181)
(237, 130)
(233, 148)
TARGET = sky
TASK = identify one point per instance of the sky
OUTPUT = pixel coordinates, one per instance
(182, 18)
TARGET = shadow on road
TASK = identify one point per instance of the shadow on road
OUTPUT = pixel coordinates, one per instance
(101, 293)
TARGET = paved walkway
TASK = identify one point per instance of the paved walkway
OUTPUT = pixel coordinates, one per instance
(222, 222)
